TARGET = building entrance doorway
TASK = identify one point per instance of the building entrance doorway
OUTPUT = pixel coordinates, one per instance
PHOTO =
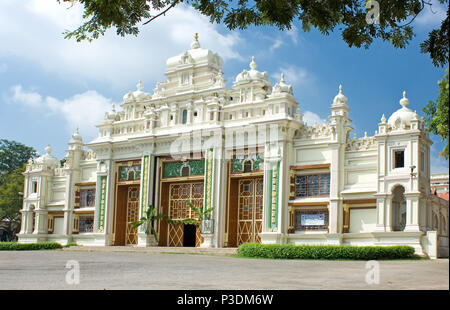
(175, 206)
(245, 210)
(127, 210)
(250, 210)
(189, 235)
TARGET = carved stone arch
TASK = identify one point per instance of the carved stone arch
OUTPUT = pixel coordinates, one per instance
(398, 208)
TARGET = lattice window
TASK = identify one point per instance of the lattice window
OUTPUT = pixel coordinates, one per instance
(85, 223)
(312, 185)
(179, 193)
(250, 210)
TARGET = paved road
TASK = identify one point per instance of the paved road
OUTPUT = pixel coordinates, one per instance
(125, 270)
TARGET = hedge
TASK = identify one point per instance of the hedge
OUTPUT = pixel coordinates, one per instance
(15, 246)
(332, 252)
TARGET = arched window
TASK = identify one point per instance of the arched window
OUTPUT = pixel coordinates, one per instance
(184, 117)
(443, 226)
(435, 222)
(248, 166)
(185, 171)
(398, 208)
(131, 175)
(33, 218)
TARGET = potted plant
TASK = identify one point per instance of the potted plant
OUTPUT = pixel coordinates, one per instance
(148, 222)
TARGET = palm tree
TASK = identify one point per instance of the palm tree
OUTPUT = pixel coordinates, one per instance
(148, 220)
(201, 215)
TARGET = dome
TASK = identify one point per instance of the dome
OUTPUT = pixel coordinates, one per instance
(112, 115)
(195, 55)
(48, 159)
(282, 87)
(137, 95)
(76, 137)
(340, 99)
(252, 74)
(402, 117)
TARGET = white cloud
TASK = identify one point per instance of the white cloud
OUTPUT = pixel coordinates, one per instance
(311, 118)
(276, 44)
(112, 59)
(293, 34)
(294, 75)
(431, 16)
(84, 110)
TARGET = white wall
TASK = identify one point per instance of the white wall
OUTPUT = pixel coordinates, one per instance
(58, 226)
(362, 220)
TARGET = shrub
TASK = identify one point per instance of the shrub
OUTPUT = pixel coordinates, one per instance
(332, 252)
(68, 245)
(15, 246)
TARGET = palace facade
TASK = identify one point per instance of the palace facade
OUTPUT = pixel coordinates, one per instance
(245, 152)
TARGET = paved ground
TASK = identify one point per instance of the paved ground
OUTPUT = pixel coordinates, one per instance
(140, 269)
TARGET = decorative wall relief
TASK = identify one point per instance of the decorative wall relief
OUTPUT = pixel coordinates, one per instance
(256, 159)
(129, 173)
(102, 207)
(274, 176)
(209, 166)
(173, 169)
(145, 182)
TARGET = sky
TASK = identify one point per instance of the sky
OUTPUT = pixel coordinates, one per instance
(49, 85)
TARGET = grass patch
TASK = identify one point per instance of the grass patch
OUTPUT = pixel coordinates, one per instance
(326, 252)
(15, 246)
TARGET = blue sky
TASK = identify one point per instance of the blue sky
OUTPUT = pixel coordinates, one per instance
(49, 85)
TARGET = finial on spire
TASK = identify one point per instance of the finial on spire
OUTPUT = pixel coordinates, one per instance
(195, 44)
(383, 119)
(340, 88)
(139, 85)
(78, 130)
(404, 101)
(114, 107)
(253, 65)
(282, 77)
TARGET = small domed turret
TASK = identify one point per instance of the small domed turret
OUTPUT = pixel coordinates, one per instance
(48, 159)
(137, 95)
(282, 87)
(252, 74)
(401, 119)
(340, 99)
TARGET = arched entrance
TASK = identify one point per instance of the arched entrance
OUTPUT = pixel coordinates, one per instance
(398, 208)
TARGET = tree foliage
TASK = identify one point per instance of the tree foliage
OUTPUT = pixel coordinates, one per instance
(437, 113)
(10, 199)
(347, 16)
(148, 221)
(13, 155)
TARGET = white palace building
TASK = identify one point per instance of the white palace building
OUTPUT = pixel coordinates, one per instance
(247, 153)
